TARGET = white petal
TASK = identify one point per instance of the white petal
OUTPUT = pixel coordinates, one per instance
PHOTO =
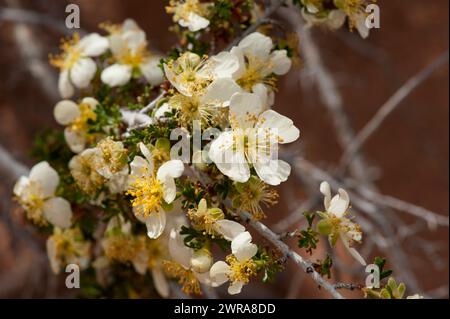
(166, 174)
(339, 203)
(194, 22)
(140, 262)
(178, 250)
(219, 273)
(361, 25)
(93, 45)
(162, 110)
(239, 54)
(256, 44)
(129, 24)
(152, 72)
(273, 172)
(353, 251)
(225, 64)
(229, 161)
(66, 112)
(65, 88)
(116, 75)
(91, 102)
(220, 91)
(119, 182)
(134, 39)
(280, 125)
(242, 247)
(336, 18)
(51, 253)
(140, 167)
(43, 174)
(160, 282)
(265, 94)
(21, 185)
(146, 152)
(75, 141)
(58, 212)
(281, 62)
(244, 109)
(172, 168)
(228, 229)
(235, 287)
(83, 72)
(169, 189)
(117, 44)
(326, 191)
(155, 222)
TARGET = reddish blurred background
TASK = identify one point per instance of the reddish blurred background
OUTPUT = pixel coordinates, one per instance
(410, 150)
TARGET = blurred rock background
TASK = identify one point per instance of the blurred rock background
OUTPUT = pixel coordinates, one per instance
(409, 152)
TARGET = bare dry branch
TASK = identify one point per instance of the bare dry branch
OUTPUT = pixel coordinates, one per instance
(387, 108)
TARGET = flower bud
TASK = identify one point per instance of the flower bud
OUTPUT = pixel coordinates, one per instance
(201, 260)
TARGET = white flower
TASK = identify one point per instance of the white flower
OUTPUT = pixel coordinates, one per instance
(205, 106)
(239, 266)
(36, 193)
(151, 191)
(67, 246)
(315, 14)
(77, 68)
(84, 171)
(144, 254)
(189, 14)
(333, 20)
(253, 63)
(339, 226)
(253, 140)
(212, 221)
(110, 161)
(189, 74)
(129, 48)
(75, 117)
(197, 264)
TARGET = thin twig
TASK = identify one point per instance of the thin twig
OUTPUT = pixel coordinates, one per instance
(268, 234)
(387, 108)
(10, 166)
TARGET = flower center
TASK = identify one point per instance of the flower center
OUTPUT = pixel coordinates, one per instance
(86, 175)
(255, 72)
(241, 270)
(114, 155)
(133, 58)
(148, 195)
(81, 122)
(70, 54)
(252, 194)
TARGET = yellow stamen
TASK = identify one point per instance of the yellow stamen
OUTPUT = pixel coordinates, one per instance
(241, 270)
(148, 195)
(256, 72)
(185, 277)
(81, 122)
(70, 54)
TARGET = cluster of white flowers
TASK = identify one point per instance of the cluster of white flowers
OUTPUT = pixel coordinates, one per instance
(130, 57)
(232, 91)
(315, 12)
